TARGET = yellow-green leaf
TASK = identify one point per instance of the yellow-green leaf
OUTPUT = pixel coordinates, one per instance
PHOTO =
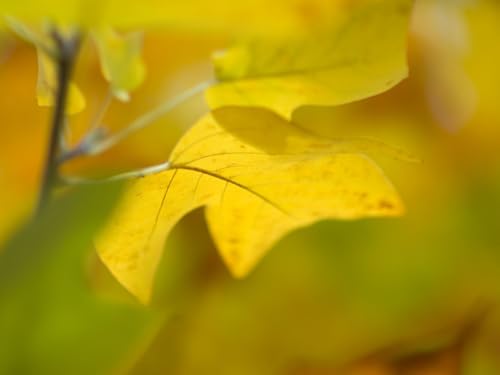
(253, 194)
(255, 17)
(47, 71)
(121, 61)
(24, 32)
(362, 53)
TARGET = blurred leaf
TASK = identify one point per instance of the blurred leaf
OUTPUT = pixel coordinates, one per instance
(362, 54)
(24, 32)
(47, 70)
(253, 198)
(440, 29)
(279, 17)
(121, 61)
(51, 322)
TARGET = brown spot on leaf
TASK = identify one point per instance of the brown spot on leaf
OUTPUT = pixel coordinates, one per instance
(385, 205)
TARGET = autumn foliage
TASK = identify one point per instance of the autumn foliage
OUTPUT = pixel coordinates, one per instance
(338, 155)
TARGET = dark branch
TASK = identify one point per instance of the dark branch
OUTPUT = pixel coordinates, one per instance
(67, 50)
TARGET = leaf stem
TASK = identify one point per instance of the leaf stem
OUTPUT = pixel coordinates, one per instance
(119, 177)
(101, 112)
(65, 59)
(28, 35)
(146, 119)
(94, 143)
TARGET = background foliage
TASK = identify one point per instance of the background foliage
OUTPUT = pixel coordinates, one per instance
(414, 295)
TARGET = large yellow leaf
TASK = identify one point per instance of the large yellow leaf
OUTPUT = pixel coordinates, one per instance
(362, 53)
(277, 17)
(254, 194)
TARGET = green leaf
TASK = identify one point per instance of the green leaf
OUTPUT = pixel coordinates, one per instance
(50, 322)
(362, 53)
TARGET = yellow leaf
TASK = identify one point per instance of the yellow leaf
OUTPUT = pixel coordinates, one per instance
(252, 197)
(121, 61)
(362, 54)
(47, 86)
(249, 123)
(250, 17)
(23, 31)
(47, 70)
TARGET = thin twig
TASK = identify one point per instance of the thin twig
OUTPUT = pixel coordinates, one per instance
(94, 143)
(101, 112)
(67, 51)
(94, 133)
(146, 119)
(28, 35)
(71, 180)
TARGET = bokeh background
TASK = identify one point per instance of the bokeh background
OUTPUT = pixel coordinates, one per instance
(413, 295)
